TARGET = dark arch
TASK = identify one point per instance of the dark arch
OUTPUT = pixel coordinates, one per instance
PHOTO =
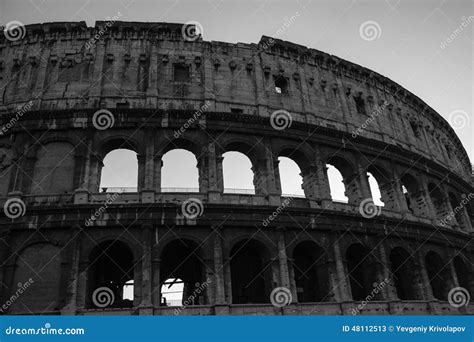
(413, 195)
(311, 272)
(462, 272)
(250, 272)
(179, 171)
(182, 259)
(362, 271)
(384, 182)
(347, 172)
(184, 144)
(407, 280)
(117, 142)
(110, 265)
(438, 274)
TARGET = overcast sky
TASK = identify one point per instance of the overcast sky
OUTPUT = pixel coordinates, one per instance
(411, 47)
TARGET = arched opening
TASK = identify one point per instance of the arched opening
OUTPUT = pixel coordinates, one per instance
(250, 272)
(375, 185)
(413, 195)
(361, 270)
(54, 161)
(120, 171)
(182, 266)
(438, 200)
(462, 272)
(238, 174)
(36, 276)
(311, 272)
(336, 184)
(172, 292)
(290, 178)
(179, 172)
(407, 280)
(438, 274)
(111, 266)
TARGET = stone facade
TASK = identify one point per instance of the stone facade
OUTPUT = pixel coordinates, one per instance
(329, 256)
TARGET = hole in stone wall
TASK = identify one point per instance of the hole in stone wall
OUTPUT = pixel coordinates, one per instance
(375, 190)
(336, 184)
(120, 171)
(281, 85)
(172, 291)
(290, 177)
(238, 174)
(179, 171)
(180, 73)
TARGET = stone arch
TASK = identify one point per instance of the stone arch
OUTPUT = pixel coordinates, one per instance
(116, 142)
(438, 199)
(458, 211)
(54, 168)
(438, 274)
(36, 280)
(349, 179)
(306, 176)
(385, 184)
(111, 265)
(407, 279)
(311, 272)
(183, 259)
(361, 270)
(462, 272)
(251, 272)
(413, 193)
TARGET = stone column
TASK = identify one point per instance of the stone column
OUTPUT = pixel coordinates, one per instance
(141, 171)
(95, 168)
(157, 166)
(389, 290)
(399, 195)
(156, 281)
(79, 171)
(83, 291)
(146, 305)
(219, 276)
(283, 265)
(344, 288)
(72, 272)
(426, 288)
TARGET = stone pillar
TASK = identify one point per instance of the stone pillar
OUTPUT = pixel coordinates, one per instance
(141, 171)
(343, 285)
(95, 169)
(310, 182)
(431, 210)
(399, 195)
(334, 294)
(363, 181)
(389, 290)
(354, 191)
(146, 305)
(79, 171)
(283, 265)
(83, 291)
(156, 281)
(72, 272)
(264, 179)
(25, 174)
(157, 166)
(228, 280)
(426, 288)
(219, 276)
(203, 169)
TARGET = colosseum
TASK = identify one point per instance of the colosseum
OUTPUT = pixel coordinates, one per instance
(71, 94)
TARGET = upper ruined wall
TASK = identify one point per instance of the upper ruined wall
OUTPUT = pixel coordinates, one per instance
(67, 65)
